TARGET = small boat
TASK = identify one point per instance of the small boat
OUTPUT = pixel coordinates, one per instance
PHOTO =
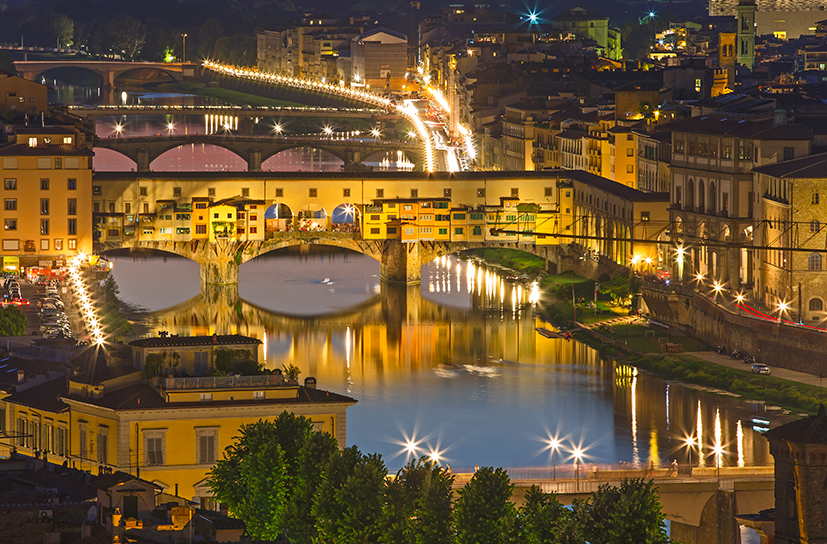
(547, 333)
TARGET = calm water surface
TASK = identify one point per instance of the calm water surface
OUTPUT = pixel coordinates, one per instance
(454, 364)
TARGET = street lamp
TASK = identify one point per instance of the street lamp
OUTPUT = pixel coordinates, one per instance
(184, 36)
(718, 460)
(782, 307)
(554, 444)
(118, 129)
(578, 454)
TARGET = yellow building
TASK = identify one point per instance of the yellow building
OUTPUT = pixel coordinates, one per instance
(169, 431)
(21, 96)
(408, 219)
(47, 197)
(223, 218)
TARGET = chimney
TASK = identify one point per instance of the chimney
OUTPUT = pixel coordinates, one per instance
(780, 117)
(310, 382)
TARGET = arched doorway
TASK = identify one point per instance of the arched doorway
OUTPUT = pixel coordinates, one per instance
(278, 218)
(345, 218)
(312, 218)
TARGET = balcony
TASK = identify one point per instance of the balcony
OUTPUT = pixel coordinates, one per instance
(221, 382)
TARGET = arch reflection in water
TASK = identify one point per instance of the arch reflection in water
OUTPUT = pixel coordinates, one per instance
(464, 370)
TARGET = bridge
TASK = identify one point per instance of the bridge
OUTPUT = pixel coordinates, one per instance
(701, 503)
(232, 111)
(255, 149)
(105, 69)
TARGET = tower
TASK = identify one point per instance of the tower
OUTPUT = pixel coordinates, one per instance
(800, 452)
(745, 41)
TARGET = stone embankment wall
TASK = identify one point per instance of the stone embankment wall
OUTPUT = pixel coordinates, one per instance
(785, 346)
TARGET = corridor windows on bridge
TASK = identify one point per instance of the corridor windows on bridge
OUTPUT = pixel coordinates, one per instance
(211, 192)
(245, 192)
(414, 193)
(141, 191)
(176, 192)
(346, 193)
(312, 193)
(549, 192)
(380, 193)
(480, 193)
(446, 193)
(279, 192)
(10, 224)
(96, 190)
(515, 192)
(814, 261)
(10, 204)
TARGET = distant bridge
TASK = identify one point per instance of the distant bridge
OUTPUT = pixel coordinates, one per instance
(232, 111)
(255, 149)
(107, 70)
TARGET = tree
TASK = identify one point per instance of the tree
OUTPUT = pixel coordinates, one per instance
(418, 505)
(313, 462)
(291, 372)
(130, 37)
(7, 64)
(543, 520)
(12, 321)
(484, 511)
(63, 29)
(256, 476)
(208, 34)
(627, 514)
(348, 503)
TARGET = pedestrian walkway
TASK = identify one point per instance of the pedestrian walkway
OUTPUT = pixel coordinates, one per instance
(738, 364)
(620, 320)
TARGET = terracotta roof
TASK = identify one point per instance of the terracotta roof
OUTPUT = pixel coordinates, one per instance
(613, 187)
(45, 396)
(574, 135)
(43, 130)
(764, 129)
(188, 341)
(63, 150)
(812, 167)
(810, 430)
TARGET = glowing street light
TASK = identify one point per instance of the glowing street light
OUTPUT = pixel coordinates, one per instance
(578, 455)
(170, 128)
(532, 17)
(328, 131)
(118, 129)
(554, 444)
(411, 134)
(782, 307)
(278, 129)
(719, 452)
(699, 277)
(184, 36)
(375, 132)
(739, 298)
(434, 456)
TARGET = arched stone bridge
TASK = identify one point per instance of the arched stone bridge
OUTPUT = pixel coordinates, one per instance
(106, 70)
(253, 149)
(398, 262)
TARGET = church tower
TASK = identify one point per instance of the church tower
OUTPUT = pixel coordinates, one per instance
(745, 41)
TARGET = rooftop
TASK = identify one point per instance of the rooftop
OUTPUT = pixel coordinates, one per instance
(810, 430)
(812, 167)
(764, 129)
(194, 341)
(47, 150)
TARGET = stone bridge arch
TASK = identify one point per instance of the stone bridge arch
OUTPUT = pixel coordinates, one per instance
(341, 154)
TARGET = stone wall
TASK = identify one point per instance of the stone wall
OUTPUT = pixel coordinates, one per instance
(785, 346)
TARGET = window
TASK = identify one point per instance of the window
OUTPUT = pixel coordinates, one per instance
(459, 231)
(814, 198)
(446, 193)
(409, 231)
(414, 193)
(10, 184)
(127, 208)
(211, 192)
(44, 245)
(201, 360)
(11, 224)
(459, 217)
(10, 163)
(103, 445)
(83, 439)
(816, 305)
(515, 192)
(814, 261)
(200, 205)
(443, 231)
(61, 442)
(279, 193)
(72, 230)
(44, 206)
(32, 141)
(380, 193)
(259, 395)
(644, 216)
(630, 168)
(313, 193)
(44, 227)
(630, 152)
(480, 193)
(111, 207)
(789, 153)
(548, 191)
(205, 397)
(245, 192)
(814, 225)
(374, 231)
(253, 230)
(58, 244)
(407, 207)
(73, 243)
(200, 229)
(176, 191)
(206, 445)
(154, 446)
(142, 191)
(11, 204)
(346, 193)
(44, 163)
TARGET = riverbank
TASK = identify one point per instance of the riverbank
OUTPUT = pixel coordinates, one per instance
(225, 95)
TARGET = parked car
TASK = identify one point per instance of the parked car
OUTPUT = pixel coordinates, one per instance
(760, 368)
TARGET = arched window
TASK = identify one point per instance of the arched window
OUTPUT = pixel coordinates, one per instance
(816, 305)
(815, 197)
(690, 195)
(701, 198)
(814, 225)
(712, 199)
(814, 261)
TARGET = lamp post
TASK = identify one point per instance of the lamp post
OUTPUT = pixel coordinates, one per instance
(718, 458)
(184, 36)
(554, 443)
(578, 453)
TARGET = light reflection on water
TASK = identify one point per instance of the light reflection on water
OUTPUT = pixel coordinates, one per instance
(460, 369)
